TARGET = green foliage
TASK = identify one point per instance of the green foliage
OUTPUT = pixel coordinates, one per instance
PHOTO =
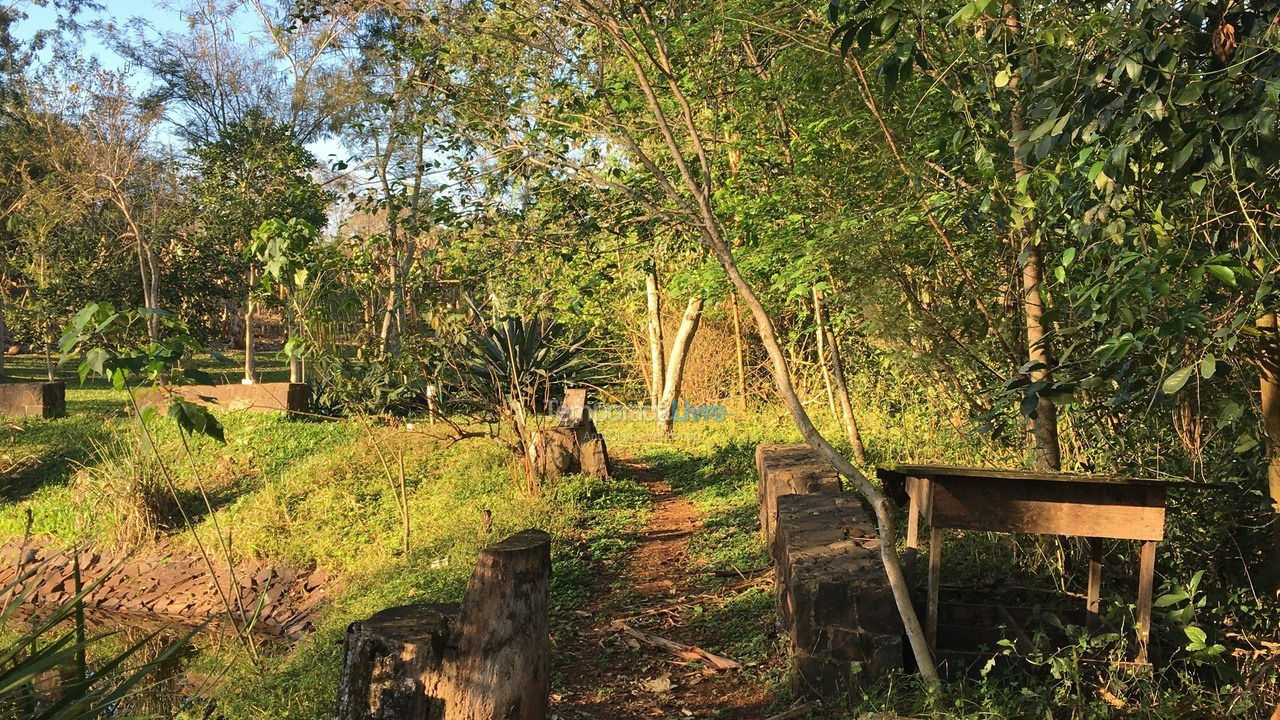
(107, 338)
(58, 643)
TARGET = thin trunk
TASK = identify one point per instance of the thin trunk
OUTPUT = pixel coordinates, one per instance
(295, 360)
(4, 330)
(250, 364)
(1044, 426)
(737, 342)
(388, 331)
(657, 379)
(1269, 381)
(820, 333)
(676, 364)
(852, 434)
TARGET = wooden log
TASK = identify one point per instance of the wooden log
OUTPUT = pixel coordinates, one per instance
(500, 663)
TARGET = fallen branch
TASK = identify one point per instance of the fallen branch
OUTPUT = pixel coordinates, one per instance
(680, 650)
(794, 712)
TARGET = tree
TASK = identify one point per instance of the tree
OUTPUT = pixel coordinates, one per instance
(255, 171)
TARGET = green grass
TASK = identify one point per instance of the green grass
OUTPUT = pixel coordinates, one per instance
(307, 493)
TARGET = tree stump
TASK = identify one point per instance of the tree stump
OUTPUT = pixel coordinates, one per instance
(486, 659)
(500, 665)
(386, 659)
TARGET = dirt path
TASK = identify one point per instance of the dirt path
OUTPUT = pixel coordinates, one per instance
(604, 674)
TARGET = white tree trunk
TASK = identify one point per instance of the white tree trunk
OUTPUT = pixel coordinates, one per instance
(676, 363)
(657, 347)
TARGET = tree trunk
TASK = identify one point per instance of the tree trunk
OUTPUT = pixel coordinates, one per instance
(737, 342)
(1044, 426)
(1269, 382)
(852, 433)
(250, 364)
(295, 359)
(676, 364)
(657, 346)
(820, 333)
(4, 330)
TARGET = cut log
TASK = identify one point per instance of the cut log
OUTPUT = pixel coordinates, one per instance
(486, 659)
(499, 667)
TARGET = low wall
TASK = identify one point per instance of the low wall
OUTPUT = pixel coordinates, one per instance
(786, 470)
(177, 589)
(38, 399)
(834, 600)
(259, 397)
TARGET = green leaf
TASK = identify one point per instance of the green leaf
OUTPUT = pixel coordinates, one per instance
(1002, 78)
(1223, 273)
(1175, 381)
(1189, 94)
(1068, 256)
(1196, 635)
(1168, 599)
(1208, 365)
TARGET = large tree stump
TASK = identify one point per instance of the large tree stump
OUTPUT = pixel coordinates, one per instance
(386, 659)
(486, 659)
(500, 665)
(571, 446)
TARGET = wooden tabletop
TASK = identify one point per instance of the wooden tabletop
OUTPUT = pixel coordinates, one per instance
(954, 471)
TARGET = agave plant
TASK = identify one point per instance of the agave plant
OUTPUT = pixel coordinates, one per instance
(58, 644)
(516, 367)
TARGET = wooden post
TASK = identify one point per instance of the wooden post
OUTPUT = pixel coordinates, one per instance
(1093, 595)
(935, 581)
(486, 659)
(1146, 574)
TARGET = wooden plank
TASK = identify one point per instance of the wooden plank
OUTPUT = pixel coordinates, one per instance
(935, 579)
(1094, 593)
(1146, 575)
(1083, 509)
(896, 471)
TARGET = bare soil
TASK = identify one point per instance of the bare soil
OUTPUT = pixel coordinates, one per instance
(604, 674)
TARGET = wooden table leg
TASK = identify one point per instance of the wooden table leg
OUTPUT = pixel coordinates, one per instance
(1146, 575)
(935, 577)
(1093, 595)
(913, 528)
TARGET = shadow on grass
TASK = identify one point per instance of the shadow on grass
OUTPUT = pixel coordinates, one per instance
(48, 452)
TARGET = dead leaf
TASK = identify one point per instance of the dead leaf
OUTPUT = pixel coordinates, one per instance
(660, 684)
(1111, 699)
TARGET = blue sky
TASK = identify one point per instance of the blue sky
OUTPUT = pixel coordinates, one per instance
(163, 16)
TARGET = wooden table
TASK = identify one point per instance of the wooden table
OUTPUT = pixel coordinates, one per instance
(1020, 501)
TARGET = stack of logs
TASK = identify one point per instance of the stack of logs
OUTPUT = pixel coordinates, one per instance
(488, 658)
(834, 600)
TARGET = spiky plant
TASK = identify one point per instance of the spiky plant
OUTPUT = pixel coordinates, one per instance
(57, 644)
